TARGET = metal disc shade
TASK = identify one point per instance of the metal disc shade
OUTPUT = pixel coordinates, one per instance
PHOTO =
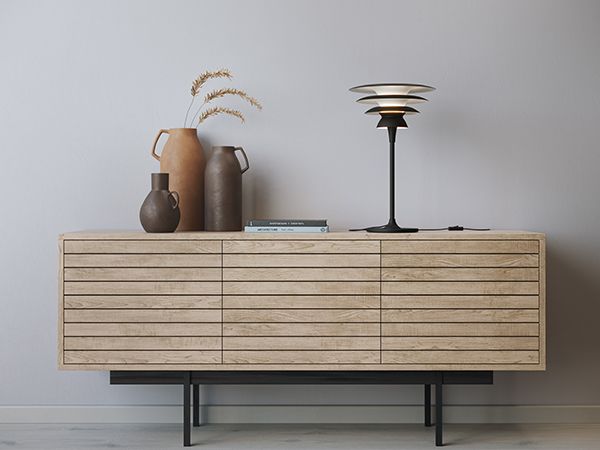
(392, 110)
(392, 88)
(391, 100)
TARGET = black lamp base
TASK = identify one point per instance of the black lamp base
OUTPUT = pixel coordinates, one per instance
(391, 227)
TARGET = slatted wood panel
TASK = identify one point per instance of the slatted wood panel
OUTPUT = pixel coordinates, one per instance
(144, 274)
(142, 302)
(142, 260)
(301, 302)
(472, 246)
(460, 302)
(126, 357)
(142, 329)
(290, 247)
(460, 357)
(141, 247)
(143, 343)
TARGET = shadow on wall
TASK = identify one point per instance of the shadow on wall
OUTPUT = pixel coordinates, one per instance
(573, 334)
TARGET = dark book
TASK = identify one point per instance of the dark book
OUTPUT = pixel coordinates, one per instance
(287, 223)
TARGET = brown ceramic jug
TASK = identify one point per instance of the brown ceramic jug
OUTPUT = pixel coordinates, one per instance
(182, 158)
(223, 189)
(160, 211)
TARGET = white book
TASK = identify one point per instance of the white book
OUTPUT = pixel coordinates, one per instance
(324, 229)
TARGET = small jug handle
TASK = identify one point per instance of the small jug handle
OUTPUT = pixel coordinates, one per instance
(175, 196)
(245, 158)
(153, 151)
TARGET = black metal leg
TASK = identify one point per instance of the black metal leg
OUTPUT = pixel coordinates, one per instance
(196, 405)
(439, 440)
(186, 409)
(427, 405)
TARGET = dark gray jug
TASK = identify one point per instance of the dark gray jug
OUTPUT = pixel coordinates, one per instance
(160, 211)
(223, 189)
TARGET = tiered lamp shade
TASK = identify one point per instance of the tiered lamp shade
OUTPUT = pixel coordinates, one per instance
(392, 100)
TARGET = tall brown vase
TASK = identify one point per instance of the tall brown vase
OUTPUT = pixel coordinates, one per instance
(223, 189)
(183, 159)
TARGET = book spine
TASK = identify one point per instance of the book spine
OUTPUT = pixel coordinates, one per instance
(251, 229)
(287, 223)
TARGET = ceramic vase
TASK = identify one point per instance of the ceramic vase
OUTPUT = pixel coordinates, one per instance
(223, 189)
(183, 159)
(160, 211)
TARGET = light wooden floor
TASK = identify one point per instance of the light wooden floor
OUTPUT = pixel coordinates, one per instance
(305, 437)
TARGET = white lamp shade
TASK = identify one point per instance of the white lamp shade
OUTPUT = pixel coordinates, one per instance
(392, 88)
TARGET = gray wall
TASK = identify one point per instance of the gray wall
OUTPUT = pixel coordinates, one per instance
(509, 140)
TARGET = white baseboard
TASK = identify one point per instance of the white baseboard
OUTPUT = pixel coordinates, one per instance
(300, 414)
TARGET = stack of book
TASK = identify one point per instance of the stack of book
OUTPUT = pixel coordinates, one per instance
(287, 226)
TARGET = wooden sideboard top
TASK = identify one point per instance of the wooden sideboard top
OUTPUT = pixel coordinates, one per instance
(334, 235)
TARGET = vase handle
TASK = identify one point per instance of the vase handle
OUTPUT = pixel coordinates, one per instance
(153, 151)
(245, 158)
(175, 196)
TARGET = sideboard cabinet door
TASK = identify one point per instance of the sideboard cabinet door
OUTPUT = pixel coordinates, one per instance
(294, 302)
(141, 302)
(461, 302)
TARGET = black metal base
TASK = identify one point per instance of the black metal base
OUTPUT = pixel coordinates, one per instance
(195, 378)
(390, 227)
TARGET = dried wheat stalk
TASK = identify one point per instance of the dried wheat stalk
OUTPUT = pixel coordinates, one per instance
(218, 93)
(208, 75)
(199, 82)
(220, 110)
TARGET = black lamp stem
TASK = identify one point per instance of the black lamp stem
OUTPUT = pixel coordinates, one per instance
(392, 226)
(392, 138)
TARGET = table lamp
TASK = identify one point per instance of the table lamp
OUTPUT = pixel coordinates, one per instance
(392, 102)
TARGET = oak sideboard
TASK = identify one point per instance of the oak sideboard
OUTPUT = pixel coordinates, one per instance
(215, 307)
